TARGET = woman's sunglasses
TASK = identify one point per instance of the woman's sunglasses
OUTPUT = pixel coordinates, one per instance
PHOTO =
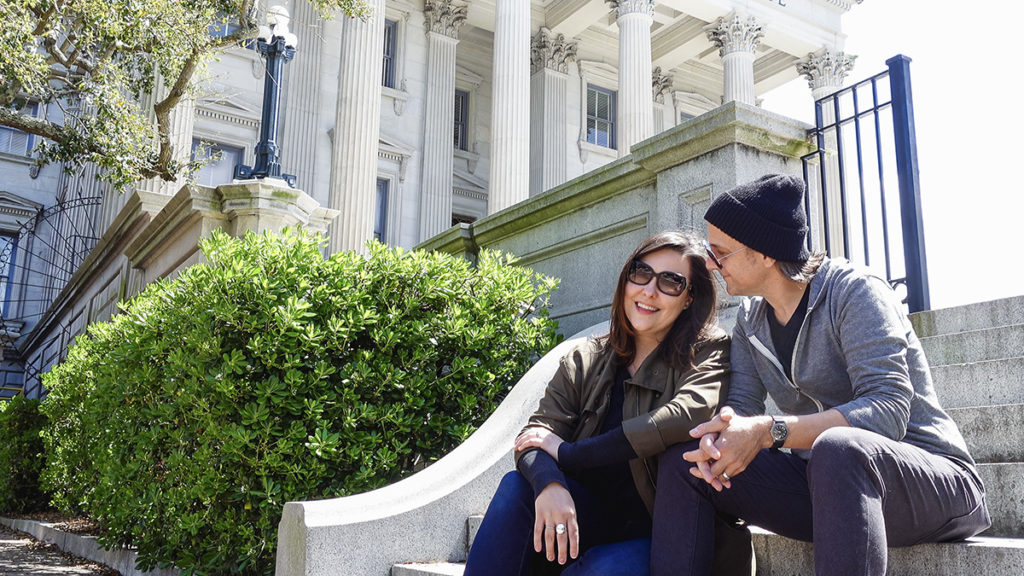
(669, 283)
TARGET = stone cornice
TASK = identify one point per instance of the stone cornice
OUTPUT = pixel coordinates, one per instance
(734, 33)
(444, 17)
(548, 50)
(825, 68)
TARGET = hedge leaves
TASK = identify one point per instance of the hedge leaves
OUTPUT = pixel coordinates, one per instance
(271, 374)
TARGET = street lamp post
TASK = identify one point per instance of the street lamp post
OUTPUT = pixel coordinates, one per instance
(277, 44)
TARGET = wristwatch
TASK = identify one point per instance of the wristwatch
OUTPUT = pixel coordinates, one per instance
(780, 431)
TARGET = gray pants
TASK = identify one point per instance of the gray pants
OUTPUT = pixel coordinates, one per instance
(859, 494)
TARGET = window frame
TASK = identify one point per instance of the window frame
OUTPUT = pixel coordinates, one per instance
(30, 139)
(380, 213)
(213, 144)
(461, 127)
(612, 96)
(7, 276)
(389, 72)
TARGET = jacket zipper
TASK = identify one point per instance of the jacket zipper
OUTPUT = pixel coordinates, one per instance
(775, 361)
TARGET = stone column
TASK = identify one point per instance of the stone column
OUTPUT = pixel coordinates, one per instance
(636, 111)
(550, 55)
(443, 20)
(661, 84)
(825, 71)
(737, 38)
(510, 106)
(357, 131)
(300, 115)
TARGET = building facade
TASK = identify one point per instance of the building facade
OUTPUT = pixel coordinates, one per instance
(427, 114)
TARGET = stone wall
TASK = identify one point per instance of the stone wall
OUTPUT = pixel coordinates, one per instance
(583, 230)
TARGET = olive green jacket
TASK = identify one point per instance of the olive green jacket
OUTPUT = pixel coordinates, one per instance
(661, 403)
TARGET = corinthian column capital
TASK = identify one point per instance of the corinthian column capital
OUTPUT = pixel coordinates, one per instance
(444, 17)
(548, 50)
(661, 84)
(624, 7)
(825, 68)
(734, 33)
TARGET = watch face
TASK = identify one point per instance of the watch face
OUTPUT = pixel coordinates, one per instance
(779, 430)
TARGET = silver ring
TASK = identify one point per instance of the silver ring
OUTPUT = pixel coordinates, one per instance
(725, 476)
(560, 529)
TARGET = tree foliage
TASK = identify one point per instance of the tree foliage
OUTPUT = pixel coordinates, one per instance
(100, 61)
(271, 374)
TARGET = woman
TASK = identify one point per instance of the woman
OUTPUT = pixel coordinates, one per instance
(584, 492)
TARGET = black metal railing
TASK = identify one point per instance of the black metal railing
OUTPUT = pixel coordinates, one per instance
(862, 132)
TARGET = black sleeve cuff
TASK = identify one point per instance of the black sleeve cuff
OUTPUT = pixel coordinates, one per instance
(608, 448)
(540, 469)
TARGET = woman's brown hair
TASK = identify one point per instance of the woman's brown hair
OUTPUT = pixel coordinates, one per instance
(692, 324)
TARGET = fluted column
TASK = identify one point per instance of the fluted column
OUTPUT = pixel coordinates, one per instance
(443, 20)
(550, 55)
(510, 106)
(825, 71)
(356, 131)
(636, 111)
(737, 38)
(300, 120)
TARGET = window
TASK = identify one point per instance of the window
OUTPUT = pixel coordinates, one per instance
(600, 116)
(17, 142)
(8, 250)
(220, 162)
(390, 46)
(380, 220)
(461, 120)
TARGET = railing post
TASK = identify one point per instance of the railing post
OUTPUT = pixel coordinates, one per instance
(909, 182)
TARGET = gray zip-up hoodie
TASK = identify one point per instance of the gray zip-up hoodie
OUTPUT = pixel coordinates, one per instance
(856, 352)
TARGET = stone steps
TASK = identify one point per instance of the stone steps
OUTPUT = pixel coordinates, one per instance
(969, 317)
(992, 433)
(989, 382)
(975, 352)
(779, 556)
(975, 346)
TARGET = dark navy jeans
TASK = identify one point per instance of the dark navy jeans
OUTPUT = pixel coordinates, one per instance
(859, 493)
(504, 544)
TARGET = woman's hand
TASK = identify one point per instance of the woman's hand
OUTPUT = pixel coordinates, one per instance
(555, 528)
(539, 437)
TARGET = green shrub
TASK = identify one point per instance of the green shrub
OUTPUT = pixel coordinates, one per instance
(21, 456)
(271, 374)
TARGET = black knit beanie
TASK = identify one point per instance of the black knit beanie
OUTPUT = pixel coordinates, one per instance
(767, 215)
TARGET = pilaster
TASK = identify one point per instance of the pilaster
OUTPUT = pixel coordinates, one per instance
(510, 106)
(737, 38)
(356, 131)
(550, 57)
(443, 19)
(300, 118)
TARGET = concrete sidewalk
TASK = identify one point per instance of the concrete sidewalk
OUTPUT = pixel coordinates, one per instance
(22, 555)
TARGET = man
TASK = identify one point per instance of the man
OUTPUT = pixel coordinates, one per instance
(873, 460)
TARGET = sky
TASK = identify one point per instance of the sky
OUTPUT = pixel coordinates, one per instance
(965, 77)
